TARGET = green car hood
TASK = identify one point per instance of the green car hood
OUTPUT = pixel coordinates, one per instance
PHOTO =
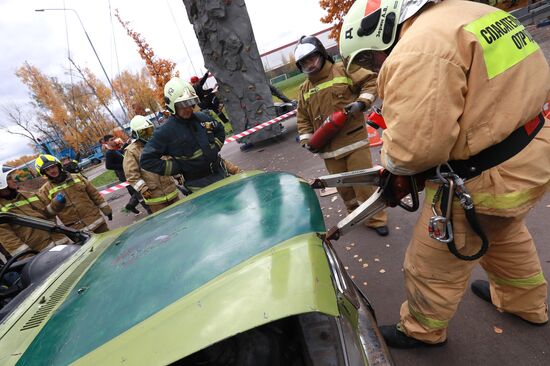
(240, 253)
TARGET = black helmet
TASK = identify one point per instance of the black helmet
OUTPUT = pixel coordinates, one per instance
(308, 45)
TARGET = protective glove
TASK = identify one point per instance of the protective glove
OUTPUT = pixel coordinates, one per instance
(60, 198)
(311, 149)
(179, 179)
(397, 187)
(110, 217)
(147, 194)
(355, 107)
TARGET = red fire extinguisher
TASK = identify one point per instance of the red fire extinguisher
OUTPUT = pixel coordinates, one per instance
(330, 127)
(375, 119)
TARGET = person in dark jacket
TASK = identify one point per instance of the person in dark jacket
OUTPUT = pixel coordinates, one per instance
(114, 157)
(208, 100)
(193, 140)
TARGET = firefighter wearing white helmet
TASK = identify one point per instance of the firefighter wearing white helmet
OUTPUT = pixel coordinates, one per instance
(158, 191)
(17, 239)
(192, 140)
(84, 203)
(447, 66)
(329, 88)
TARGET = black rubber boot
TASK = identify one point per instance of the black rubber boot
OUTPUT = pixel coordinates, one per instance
(397, 339)
(481, 289)
(382, 230)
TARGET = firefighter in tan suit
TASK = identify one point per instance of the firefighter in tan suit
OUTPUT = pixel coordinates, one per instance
(461, 77)
(17, 239)
(84, 203)
(327, 89)
(158, 191)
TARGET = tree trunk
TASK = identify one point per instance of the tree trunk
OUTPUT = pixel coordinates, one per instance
(230, 53)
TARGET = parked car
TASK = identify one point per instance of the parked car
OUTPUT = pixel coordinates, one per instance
(238, 273)
(87, 162)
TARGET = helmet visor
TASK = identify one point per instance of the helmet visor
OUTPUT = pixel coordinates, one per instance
(370, 60)
(187, 103)
(311, 63)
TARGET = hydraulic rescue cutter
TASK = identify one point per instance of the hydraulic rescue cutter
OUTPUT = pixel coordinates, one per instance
(392, 191)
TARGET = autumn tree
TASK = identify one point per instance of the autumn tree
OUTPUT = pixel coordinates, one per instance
(67, 114)
(336, 9)
(162, 70)
(137, 91)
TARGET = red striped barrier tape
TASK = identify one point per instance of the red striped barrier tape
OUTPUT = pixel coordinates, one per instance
(260, 126)
(113, 188)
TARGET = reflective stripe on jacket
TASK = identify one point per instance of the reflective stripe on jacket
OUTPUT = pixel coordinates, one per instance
(162, 188)
(331, 90)
(192, 144)
(16, 238)
(84, 203)
(453, 87)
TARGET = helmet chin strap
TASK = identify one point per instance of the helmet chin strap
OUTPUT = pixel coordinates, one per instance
(60, 178)
(12, 193)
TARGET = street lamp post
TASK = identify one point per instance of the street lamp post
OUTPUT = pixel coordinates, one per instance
(95, 52)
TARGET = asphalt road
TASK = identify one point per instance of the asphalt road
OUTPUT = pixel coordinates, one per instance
(375, 264)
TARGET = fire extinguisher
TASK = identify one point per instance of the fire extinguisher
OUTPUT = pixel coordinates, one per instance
(375, 119)
(330, 127)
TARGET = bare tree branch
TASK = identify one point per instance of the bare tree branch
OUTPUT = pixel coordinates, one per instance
(17, 116)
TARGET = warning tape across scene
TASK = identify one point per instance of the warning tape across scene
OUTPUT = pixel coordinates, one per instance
(227, 140)
(373, 136)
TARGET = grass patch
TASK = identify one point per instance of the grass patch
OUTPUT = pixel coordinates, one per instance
(290, 87)
(105, 178)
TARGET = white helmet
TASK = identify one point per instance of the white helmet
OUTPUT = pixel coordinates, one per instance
(141, 127)
(369, 25)
(179, 91)
(4, 173)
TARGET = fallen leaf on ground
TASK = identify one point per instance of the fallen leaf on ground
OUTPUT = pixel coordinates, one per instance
(355, 256)
(365, 265)
(346, 268)
(348, 248)
(365, 283)
(352, 277)
(387, 245)
(360, 259)
(382, 270)
(333, 199)
(397, 228)
(497, 329)
(352, 244)
(376, 260)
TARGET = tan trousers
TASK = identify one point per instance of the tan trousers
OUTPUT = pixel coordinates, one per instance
(435, 280)
(103, 228)
(354, 196)
(160, 206)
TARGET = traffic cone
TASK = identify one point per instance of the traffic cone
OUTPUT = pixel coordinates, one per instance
(374, 137)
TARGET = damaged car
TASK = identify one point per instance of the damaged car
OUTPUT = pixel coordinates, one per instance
(239, 273)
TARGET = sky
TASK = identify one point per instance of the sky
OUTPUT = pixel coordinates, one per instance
(45, 39)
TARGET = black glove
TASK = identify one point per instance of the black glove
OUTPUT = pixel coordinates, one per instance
(355, 107)
(110, 217)
(311, 149)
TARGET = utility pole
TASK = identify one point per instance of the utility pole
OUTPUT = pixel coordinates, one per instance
(96, 55)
